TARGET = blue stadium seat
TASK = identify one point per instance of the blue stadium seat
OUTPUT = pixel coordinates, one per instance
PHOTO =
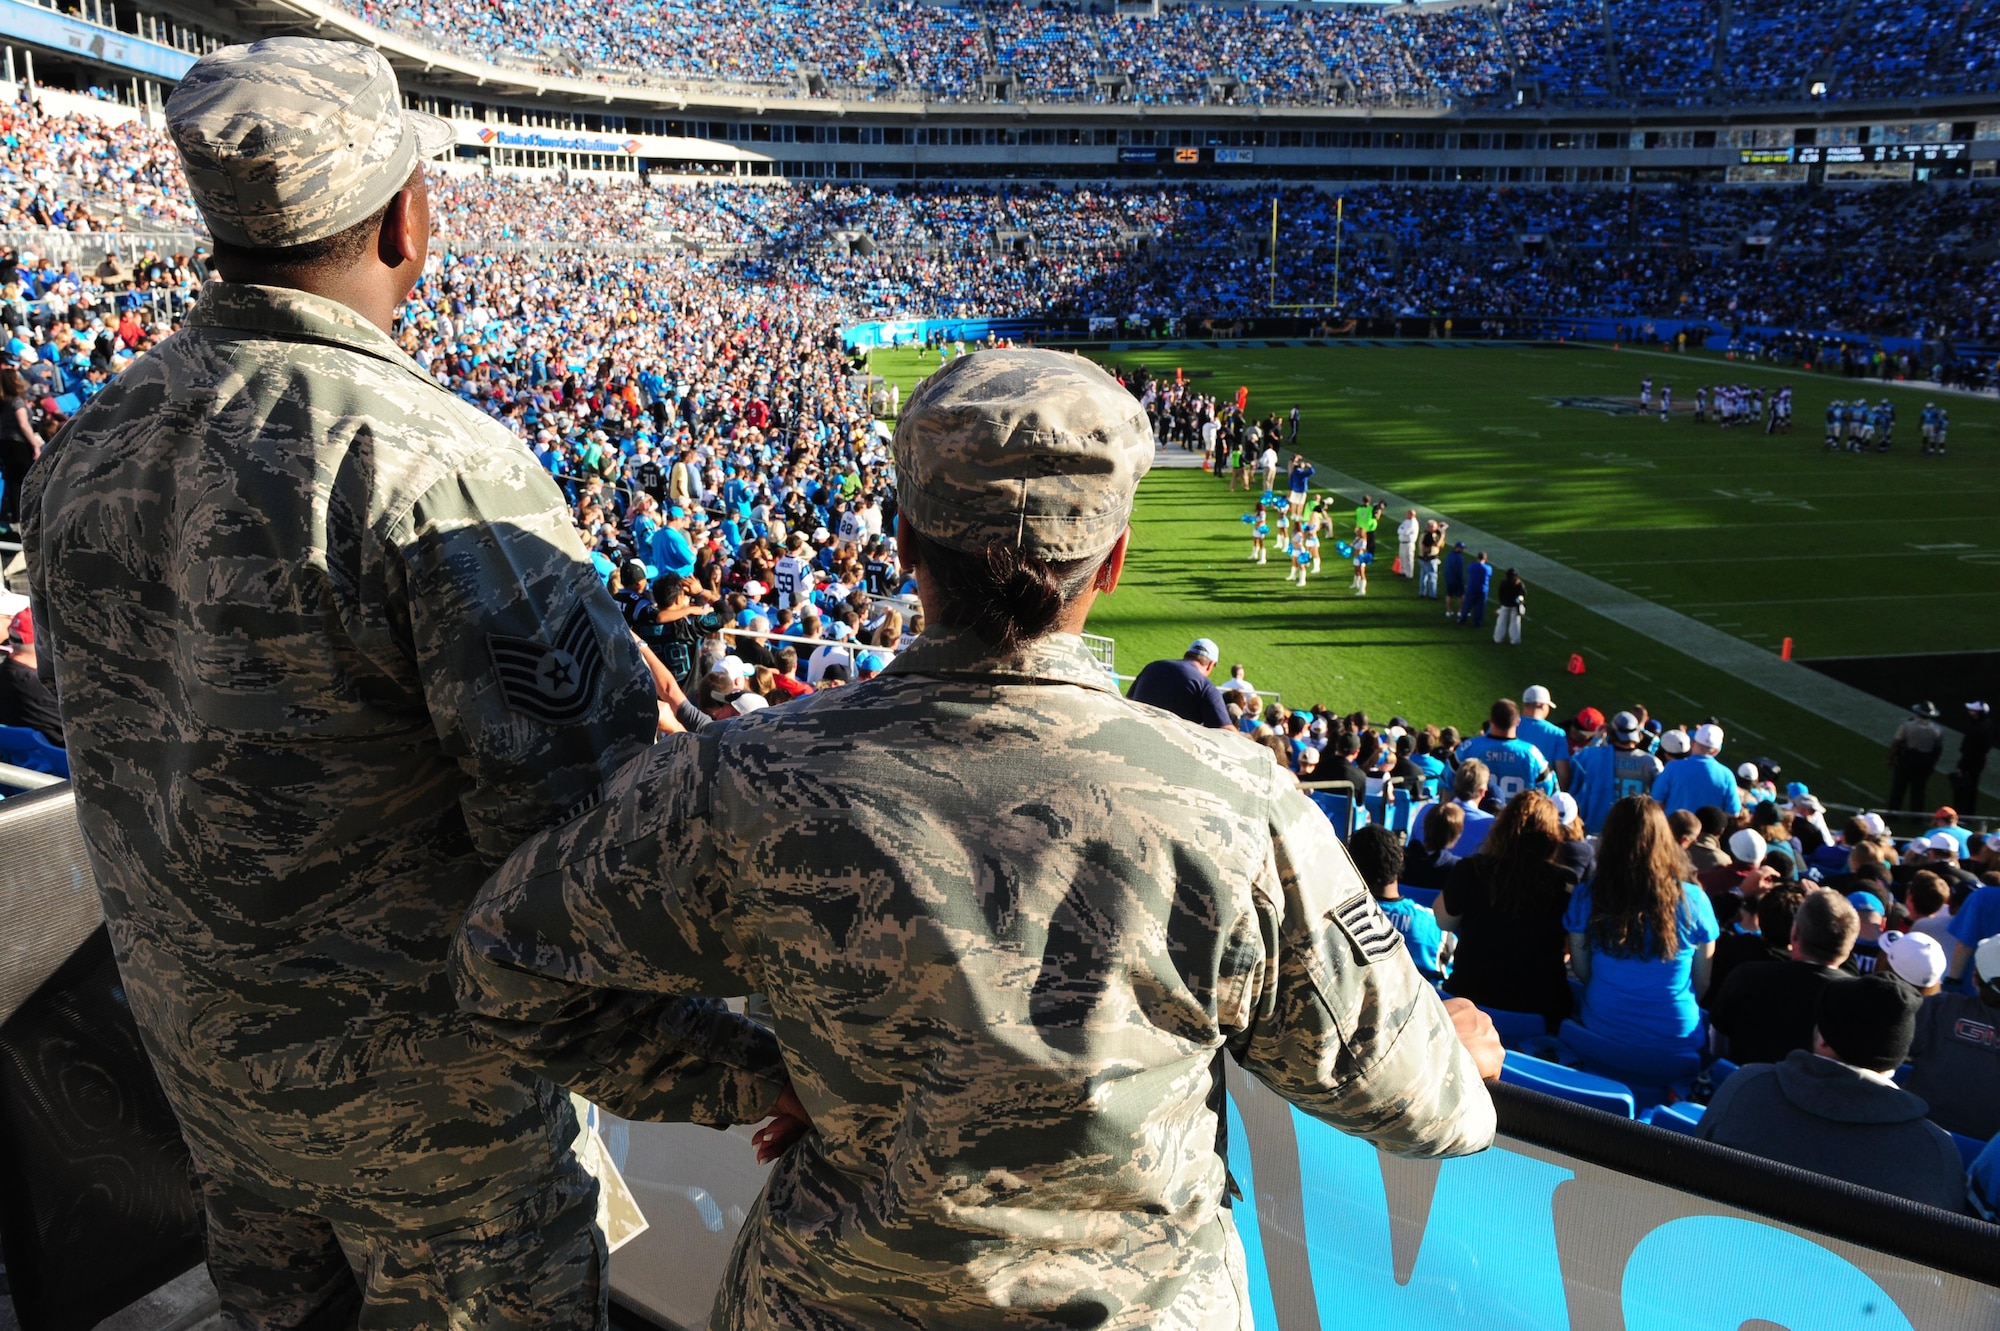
(1339, 810)
(1654, 1076)
(21, 746)
(1682, 1116)
(1968, 1147)
(1399, 813)
(1517, 1028)
(1582, 1088)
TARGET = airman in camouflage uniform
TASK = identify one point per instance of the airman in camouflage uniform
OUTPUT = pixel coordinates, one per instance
(327, 647)
(1004, 920)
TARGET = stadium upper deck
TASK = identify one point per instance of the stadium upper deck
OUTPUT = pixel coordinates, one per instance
(1604, 53)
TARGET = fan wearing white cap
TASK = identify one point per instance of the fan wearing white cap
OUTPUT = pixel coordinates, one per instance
(1183, 687)
(1699, 779)
(1957, 1059)
(1548, 737)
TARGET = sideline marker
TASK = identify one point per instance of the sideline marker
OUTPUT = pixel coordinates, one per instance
(1785, 652)
(1576, 663)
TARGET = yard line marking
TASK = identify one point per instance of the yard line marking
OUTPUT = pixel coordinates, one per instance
(1647, 679)
(1799, 758)
(1738, 725)
(1866, 793)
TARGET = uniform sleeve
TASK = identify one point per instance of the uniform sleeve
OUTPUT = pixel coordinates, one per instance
(1342, 1024)
(533, 682)
(583, 952)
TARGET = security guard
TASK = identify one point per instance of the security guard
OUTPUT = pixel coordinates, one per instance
(327, 647)
(1005, 920)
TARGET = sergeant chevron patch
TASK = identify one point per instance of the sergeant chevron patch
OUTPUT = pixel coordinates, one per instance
(550, 682)
(1367, 928)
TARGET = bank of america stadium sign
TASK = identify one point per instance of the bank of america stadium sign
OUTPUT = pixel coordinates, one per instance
(575, 143)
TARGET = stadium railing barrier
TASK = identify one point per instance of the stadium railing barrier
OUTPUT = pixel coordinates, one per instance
(1575, 1218)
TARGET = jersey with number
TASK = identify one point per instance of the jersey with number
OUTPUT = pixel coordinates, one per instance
(789, 579)
(1601, 775)
(1515, 764)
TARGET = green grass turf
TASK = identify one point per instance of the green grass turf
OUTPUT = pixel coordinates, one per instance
(1762, 537)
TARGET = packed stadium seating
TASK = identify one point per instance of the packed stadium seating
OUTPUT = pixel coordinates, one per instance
(1583, 52)
(1192, 251)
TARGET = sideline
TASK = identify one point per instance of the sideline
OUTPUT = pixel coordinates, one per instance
(1793, 372)
(1825, 697)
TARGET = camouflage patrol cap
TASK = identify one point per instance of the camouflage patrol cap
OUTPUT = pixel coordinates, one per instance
(292, 139)
(1041, 450)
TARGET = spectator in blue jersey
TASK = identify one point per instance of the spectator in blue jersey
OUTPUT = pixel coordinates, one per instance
(1378, 858)
(1699, 779)
(1547, 737)
(1478, 577)
(1183, 687)
(1603, 774)
(1506, 905)
(1975, 922)
(1468, 793)
(1641, 935)
(673, 553)
(1454, 579)
(1515, 764)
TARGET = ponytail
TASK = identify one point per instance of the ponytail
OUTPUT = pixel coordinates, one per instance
(1006, 596)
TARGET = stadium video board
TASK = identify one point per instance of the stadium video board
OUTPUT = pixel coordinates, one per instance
(1923, 154)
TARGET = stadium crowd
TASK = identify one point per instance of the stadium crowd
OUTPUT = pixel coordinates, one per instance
(1201, 52)
(728, 477)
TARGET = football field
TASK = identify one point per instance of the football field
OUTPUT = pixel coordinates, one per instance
(1672, 558)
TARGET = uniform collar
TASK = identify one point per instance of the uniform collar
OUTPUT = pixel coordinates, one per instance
(294, 316)
(1059, 658)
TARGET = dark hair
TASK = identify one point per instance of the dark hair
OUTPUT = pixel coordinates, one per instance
(339, 250)
(12, 383)
(1377, 855)
(1927, 893)
(1505, 715)
(1635, 894)
(1775, 912)
(1686, 827)
(1005, 596)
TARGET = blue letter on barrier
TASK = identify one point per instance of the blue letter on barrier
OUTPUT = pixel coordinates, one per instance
(1488, 1256)
(1799, 1286)
(1263, 1313)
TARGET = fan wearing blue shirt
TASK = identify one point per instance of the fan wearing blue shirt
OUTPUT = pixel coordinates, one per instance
(1514, 764)
(673, 553)
(1977, 920)
(1550, 739)
(1698, 780)
(1603, 774)
(1641, 937)
(1378, 858)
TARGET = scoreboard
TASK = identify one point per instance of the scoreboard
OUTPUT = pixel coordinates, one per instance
(1923, 154)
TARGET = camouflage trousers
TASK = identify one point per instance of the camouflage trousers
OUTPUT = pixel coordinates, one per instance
(536, 1260)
